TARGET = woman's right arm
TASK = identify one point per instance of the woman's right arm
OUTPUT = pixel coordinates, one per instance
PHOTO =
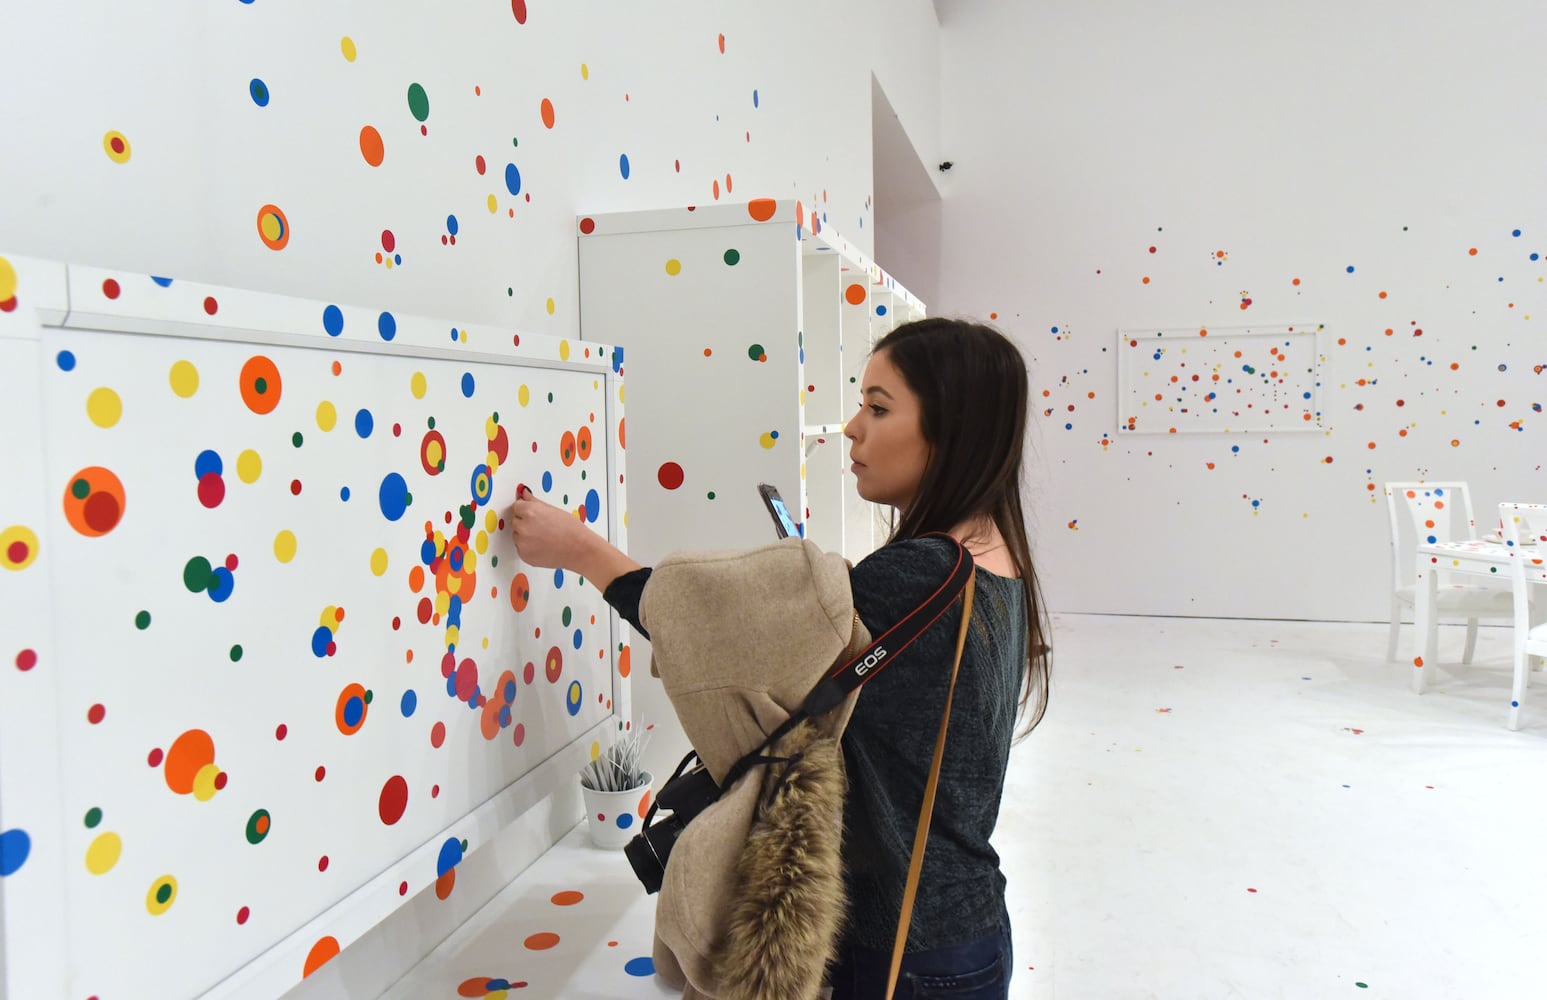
(551, 537)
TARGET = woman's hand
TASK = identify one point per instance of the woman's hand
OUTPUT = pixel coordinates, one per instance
(546, 535)
(553, 537)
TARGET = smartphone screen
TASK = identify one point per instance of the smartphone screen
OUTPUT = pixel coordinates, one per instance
(784, 525)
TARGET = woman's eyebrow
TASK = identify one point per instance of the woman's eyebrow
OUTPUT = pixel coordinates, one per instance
(876, 388)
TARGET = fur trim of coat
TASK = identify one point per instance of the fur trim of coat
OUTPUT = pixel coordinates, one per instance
(788, 902)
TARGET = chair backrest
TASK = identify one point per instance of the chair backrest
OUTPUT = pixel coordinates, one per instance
(1431, 512)
(1523, 527)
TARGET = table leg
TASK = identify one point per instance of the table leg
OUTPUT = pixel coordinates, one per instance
(1425, 623)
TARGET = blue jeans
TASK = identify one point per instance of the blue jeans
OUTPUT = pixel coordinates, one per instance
(974, 970)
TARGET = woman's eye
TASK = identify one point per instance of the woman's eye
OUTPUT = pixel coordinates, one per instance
(877, 410)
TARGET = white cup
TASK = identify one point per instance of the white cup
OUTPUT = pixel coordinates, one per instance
(615, 818)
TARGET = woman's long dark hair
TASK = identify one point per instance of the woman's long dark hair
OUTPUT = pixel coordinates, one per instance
(971, 382)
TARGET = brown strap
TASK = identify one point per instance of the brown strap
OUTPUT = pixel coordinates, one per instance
(916, 863)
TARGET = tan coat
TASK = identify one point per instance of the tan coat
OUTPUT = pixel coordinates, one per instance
(752, 901)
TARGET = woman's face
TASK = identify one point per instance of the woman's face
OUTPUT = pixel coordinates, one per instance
(887, 437)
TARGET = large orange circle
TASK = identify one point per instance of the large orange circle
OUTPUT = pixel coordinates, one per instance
(762, 209)
(855, 294)
(261, 384)
(94, 501)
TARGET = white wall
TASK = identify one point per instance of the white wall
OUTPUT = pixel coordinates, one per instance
(1300, 139)
(174, 78)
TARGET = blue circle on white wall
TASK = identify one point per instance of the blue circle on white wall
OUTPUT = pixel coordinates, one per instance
(467, 384)
(364, 423)
(66, 360)
(623, 165)
(547, 482)
(451, 224)
(15, 845)
(163, 282)
(512, 179)
(640, 967)
(410, 702)
(333, 320)
(259, 91)
(386, 325)
(593, 505)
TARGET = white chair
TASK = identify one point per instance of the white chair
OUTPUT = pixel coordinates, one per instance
(1434, 512)
(1524, 529)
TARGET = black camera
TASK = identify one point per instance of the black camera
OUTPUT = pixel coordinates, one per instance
(685, 795)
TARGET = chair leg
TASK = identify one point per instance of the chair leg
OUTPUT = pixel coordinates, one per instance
(1521, 670)
(1471, 640)
(1396, 623)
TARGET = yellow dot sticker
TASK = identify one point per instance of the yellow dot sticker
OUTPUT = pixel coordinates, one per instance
(104, 853)
(347, 46)
(7, 281)
(418, 385)
(104, 407)
(184, 379)
(327, 416)
(674, 267)
(284, 546)
(379, 562)
(523, 395)
(249, 466)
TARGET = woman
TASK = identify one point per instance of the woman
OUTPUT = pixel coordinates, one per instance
(939, 437)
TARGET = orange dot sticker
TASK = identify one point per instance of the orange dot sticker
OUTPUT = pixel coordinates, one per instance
(542, 941)
(547, 111)
(191, 753)
(325, 949)
(371, 147)
(567, 448)
(94, 501)
(854, 295)
(761, 209)
(569, 898)
(261, 384)
(583, 443)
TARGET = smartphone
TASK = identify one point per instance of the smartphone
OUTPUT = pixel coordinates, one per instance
(784, 525)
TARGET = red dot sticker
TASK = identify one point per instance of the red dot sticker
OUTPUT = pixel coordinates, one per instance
(670, 475)
(394, 799)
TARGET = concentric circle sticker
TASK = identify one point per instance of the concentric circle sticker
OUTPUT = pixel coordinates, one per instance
(261, 385)
(117, 146)
(273, 227)
(162, 894)
(18, 547)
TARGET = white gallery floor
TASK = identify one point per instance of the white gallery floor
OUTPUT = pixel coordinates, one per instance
(1260, 809)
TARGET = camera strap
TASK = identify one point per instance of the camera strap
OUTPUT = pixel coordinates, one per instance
(869, 661)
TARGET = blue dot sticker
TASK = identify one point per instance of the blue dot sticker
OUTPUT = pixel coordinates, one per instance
(333, 320)
(364, 423)
(467, 384)
(386, 325)
(512, 179)
(260, 92)
(15, 845)
(623, 165)
(394, 496)
(66, 361)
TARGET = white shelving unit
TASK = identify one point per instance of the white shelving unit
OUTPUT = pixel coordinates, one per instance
(746, 328)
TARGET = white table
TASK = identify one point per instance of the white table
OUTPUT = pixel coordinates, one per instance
(1480, 557)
